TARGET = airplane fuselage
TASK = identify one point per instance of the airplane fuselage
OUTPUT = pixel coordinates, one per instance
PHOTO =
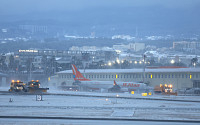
(109, 84)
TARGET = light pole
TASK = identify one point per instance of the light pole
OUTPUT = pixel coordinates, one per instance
(144, 60)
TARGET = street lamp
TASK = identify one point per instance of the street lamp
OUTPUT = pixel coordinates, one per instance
(172, 61)
(110, 64)
(135, 62)
(118, 61)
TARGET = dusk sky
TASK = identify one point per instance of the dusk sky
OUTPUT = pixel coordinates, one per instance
(26, 6)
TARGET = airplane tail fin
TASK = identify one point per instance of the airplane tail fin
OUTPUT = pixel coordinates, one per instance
(77, 75)
(115, 83)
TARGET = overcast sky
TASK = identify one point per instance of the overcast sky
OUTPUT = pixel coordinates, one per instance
(8, 7)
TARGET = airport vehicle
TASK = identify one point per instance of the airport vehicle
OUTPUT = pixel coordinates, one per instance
(32, 87)
(164, 89)
(105, 85)
(17, 86)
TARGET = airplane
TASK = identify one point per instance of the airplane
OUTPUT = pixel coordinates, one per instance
(104, 85)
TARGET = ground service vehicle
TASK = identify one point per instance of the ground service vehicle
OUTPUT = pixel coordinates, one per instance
(34, 86)
(164, 89)
(17, 86)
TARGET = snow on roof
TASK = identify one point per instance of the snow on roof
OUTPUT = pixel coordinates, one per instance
(135, 70)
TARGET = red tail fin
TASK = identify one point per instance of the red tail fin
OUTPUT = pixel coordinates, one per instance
(115, 83)
(77, 75)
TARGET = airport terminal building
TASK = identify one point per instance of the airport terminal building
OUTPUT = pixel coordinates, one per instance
(179, 78)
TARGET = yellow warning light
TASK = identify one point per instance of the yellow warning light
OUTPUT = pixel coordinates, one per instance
(132, 92)
(150, 93)
(190, 76)
(116, 76)
(144, 94)
(13, 80)
(170, 86)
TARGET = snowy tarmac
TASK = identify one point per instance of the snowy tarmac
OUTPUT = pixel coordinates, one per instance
(84, 122)
(98, 107)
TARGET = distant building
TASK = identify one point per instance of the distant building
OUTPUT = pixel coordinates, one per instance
(3, 79)
(179, 78)
(186, 45)
(131, 46)
(33, 28)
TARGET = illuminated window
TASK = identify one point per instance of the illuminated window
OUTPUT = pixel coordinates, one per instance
(116, 76)
(190, 76)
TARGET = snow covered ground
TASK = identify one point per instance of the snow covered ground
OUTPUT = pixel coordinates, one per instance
(99, 107)
(84, 122)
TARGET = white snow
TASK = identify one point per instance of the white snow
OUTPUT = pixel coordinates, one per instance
(99, 107)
